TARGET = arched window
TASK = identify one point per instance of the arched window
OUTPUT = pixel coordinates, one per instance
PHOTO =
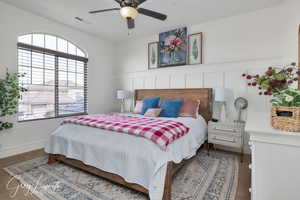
(55, 77)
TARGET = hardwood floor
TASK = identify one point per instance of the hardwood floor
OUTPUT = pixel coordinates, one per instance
(242, 192)
(244, 180)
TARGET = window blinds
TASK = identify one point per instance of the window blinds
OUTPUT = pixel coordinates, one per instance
(56, 83)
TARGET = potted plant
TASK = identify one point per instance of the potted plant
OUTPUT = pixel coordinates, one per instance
(277, 82)
(10, 92)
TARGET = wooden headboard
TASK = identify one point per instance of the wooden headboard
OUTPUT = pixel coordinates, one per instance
(202, 94)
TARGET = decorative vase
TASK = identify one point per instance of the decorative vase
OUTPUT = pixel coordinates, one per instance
(286, 118)
(172, 57)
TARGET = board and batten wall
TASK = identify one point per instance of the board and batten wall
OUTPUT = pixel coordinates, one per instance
(246, 43)
(29, 136)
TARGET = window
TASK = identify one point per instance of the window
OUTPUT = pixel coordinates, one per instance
(55, 77)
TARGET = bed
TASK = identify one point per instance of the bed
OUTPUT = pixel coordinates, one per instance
(149, 171)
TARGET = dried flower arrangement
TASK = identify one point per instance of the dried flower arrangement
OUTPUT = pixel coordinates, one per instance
(275, 79)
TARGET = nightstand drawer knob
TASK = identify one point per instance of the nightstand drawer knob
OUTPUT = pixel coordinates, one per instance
(225, 140)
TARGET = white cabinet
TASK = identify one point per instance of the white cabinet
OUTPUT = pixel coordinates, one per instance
(275, 163)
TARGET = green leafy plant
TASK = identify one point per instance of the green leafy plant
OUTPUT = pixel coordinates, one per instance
(289, 98)
(10, 93)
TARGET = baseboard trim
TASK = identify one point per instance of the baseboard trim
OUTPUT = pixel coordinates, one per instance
(11, 151)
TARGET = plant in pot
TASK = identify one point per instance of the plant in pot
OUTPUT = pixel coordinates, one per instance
(10, 93)
(277, 82)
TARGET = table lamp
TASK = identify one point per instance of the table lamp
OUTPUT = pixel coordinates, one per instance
(122, 95)
(221, 97)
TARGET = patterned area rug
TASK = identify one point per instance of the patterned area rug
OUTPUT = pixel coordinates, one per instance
(213, 177)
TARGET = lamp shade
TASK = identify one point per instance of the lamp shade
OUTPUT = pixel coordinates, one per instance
(122, 94)
(221, 94)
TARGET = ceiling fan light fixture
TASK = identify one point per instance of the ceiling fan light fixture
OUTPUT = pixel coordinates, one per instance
(129, 12)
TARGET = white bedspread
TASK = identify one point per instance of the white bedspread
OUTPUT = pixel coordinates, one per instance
(136, 159)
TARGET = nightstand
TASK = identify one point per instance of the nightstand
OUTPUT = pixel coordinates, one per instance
(229, 134)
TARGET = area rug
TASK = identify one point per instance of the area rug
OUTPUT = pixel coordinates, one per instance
(213, 177)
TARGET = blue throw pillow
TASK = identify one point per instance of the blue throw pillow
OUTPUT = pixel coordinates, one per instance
(170, 108)
(150, 103)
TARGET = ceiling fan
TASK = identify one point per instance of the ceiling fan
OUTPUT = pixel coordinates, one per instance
(130, 9)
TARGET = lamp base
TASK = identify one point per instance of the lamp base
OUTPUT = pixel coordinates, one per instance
(122, 106)
(223, 116)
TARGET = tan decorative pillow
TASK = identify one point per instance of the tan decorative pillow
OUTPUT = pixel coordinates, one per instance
(138, 107)
(153, 112)
(190, 108)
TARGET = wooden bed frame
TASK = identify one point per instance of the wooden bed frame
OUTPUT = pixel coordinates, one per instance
(202, 94)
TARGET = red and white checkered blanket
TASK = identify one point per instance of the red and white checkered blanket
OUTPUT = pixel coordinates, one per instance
(161, 132)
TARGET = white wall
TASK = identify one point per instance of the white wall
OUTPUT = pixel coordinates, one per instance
(245, 43)
(14, 22)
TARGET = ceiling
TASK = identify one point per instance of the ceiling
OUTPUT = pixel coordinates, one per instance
(111, 26)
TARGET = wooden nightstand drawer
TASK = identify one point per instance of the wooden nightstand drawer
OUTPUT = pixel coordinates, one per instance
(232, 132)
(226, 127)
(225, 139)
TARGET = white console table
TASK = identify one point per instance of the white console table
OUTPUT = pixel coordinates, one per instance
(275, 163)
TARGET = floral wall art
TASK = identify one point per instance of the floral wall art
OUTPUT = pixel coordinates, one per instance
(173, 47)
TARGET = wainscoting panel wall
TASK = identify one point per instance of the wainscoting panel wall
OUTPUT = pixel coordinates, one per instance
(213, 79)
(162, 81)
(178, 80)
(194, 79)
(150, 82)
(227, 75)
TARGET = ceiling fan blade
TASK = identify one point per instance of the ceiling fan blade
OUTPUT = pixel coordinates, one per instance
(153, 14)
(104, 10)
(139, 2)
(118, 1)
(130, 23)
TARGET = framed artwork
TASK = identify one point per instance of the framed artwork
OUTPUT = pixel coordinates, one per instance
(173, 48)
(195, 48)
(153, 55)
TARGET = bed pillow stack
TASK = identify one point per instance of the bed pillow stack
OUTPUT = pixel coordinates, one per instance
(169, 108)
